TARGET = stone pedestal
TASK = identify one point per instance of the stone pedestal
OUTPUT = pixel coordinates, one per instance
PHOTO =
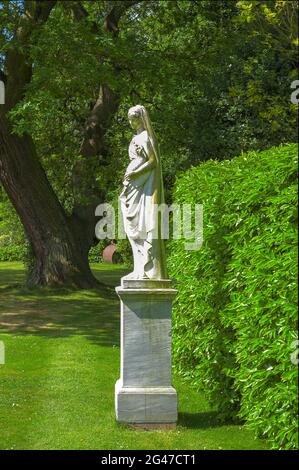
(144, 393)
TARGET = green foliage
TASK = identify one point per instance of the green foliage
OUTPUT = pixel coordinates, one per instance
(215, 80)
(124, 250)
(236, 315)
(12, 252)
(95, 254)
(12, 240)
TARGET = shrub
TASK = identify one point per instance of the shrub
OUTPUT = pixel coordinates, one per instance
(235, 319)
(12, 252)
(124, 251)
(13, 243)
(95, 253)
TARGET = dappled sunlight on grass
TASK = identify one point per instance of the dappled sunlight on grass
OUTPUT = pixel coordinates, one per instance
(61, 312)
(62, 361)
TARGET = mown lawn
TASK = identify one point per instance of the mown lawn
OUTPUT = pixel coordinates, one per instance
(61, 364)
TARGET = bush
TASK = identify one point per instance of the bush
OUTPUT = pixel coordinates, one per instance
(95, 253)
(13, 245)
(235, 319)
(12, 252)
(124, 251)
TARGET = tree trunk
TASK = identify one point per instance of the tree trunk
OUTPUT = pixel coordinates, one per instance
(60, 255)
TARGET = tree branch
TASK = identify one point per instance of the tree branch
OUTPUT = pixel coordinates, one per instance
(18, 64)
(112, 19)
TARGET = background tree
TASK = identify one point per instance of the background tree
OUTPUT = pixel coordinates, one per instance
(216, 82)
(60, 242)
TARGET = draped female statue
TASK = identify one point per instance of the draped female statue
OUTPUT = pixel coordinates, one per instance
(142, 194)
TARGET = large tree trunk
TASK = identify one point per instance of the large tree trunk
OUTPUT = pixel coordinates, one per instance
(60, 256)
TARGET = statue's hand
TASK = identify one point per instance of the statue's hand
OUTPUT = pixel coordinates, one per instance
(131, 175)
(139, 149)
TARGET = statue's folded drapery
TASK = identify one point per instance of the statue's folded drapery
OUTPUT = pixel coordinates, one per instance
(140, 198)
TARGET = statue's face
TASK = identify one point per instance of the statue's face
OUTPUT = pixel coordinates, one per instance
(135, 122)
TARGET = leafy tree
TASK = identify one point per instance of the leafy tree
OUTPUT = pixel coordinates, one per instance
(215, 80)
(60, 241)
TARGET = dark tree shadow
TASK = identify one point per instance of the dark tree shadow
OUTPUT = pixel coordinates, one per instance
(57, 313)
(11, 278)
(205, 420)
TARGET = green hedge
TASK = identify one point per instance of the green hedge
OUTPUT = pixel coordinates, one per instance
(235, 319)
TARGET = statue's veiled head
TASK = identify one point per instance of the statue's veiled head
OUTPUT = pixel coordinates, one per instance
(136, 116)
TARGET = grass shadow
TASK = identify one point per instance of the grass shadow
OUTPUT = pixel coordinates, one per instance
(11, 278)
(61, 312)
(205, 420)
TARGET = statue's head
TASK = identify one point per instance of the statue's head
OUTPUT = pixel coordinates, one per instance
(136, 116)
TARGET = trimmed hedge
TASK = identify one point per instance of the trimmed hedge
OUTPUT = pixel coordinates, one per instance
(235, 320)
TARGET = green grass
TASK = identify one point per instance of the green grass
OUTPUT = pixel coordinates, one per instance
(62, 361)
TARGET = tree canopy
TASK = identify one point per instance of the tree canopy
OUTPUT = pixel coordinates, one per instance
(216, 81)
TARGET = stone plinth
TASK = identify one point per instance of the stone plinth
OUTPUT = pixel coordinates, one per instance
(144, 392)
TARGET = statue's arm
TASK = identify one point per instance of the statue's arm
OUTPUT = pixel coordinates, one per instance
(147, 166)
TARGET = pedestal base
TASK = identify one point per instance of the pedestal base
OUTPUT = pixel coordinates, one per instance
(144, 393)
(155, 405)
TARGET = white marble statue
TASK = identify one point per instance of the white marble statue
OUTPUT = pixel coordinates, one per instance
(142, 193)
